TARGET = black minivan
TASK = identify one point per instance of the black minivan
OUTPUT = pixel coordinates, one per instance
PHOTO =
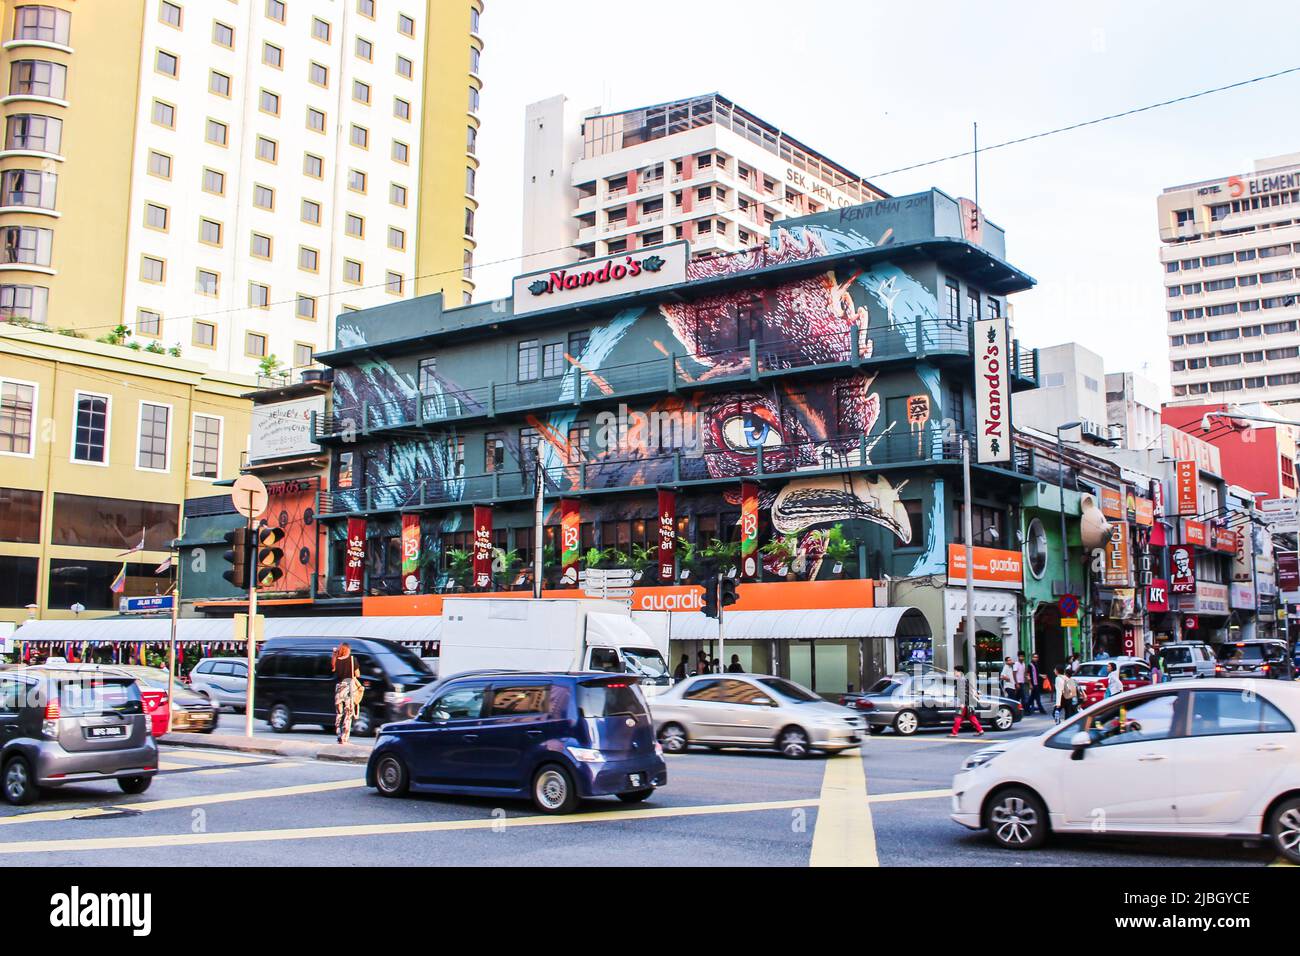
(294, 683)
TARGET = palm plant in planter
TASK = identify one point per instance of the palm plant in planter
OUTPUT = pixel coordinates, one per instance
(839, 553)
(780, 550)
(688, 556)
(642, 557)
(506, 566)
(726, 554)
(460, 565)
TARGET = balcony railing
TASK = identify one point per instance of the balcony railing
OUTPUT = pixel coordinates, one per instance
(663, 373)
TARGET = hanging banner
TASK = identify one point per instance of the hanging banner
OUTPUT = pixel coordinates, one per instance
(1186, 478)
(1226, 540)
(1288, 576)
(667, 534)
(1118, 571)
(1145, 512)
(1158, 497)
(748, 530)
(482, 547)
(570, 541)
(355, 556)
(1196, 532)
(992, 391)
(1182, 570)
(1112, 504)
(410, 554)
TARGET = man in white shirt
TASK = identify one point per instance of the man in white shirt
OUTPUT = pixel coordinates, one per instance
(1007, 678)
(1020, 678)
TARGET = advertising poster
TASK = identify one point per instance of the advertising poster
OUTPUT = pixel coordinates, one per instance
(570, 540)
(667, 534)
(992, 391)
(355, 561)
(482, 547)
(410, 554)
(748, 530)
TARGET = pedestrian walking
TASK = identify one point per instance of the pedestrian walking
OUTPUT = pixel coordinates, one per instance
(680, 672)
(1066, 696)
(1074, 665)
(1007, 678)
(702, 663)
(1036, 678)
(734, 667)
(968, 702)
(1114, 685)
(347, 691)
(1022, 692)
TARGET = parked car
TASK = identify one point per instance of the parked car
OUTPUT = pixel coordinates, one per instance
(60, 727)
(555, 737)
(752, 710)
(189, 712)
(909, 701)
(1133, 672)
(222, 680)
(1257, 659)
(1206, 759)
(294, 684)
(1187, 659)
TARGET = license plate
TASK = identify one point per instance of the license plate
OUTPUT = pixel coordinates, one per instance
(634, 779)
(95, 733)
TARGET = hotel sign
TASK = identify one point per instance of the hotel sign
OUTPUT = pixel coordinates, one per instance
(992, 391)
(593, 279)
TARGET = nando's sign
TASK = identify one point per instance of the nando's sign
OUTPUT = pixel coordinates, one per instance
(594, 279)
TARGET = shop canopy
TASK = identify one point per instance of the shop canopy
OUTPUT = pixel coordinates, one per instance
(841, 623)
(404, 630)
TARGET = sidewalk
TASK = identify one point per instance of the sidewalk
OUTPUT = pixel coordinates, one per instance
(324, 749)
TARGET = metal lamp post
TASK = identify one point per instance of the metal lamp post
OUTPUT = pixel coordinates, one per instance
(1065, 541)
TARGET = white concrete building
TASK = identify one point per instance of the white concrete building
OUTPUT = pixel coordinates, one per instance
(1072, 382)
(1133, 410)
(700, 169)
(1230, 248)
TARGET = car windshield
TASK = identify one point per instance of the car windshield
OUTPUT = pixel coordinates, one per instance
(98, 696)
(1177, 655)
(645, 661)
(789, 690)
(1251, 652)
(400, 662)
(884, 686)
(610, 700)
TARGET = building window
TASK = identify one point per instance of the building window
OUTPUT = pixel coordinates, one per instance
(303, 355)
(361, 92)
(401, 152)
(553, 360)
(306, 308)
(401, 108)
(216, 133)
(254, 345)
(315, 120)
(396, 239)
(90, 430)
(397, 194)
(578, 342)
(494, 453)
(365, 49)
(359, 136)
(467, 268)
(207, 282)
(44, 134)
(393, 283)
(206, 442)
(42, 78)
(42, 23)
(527, 360)
(152, 269)
(27, 302)
(214, 182)
(405, 25)
(149, 323)
(272, 56)
(474, 57)
(427, 377)
(473, 99)
(205, 335)
(311, 212)
(318, 74)
(20, 517)
(320, 30)
(164, 114)
(308, 259)
(313, 166)
(352, 271)
(471, 139)
(264, 197)
(354, 226)
(259, 295)
(29, 187)
(366, 8)
(268, 150)
(153, 448)
(165, 63)
(17, 410)
(469, 180)
(219, 84)
(275, 10)
(160, 164)
(405, 68)
(223, 35)
(27, 245)
(260, 246)
(268, 102)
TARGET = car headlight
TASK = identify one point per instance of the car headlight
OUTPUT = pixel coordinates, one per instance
(586, 755)
(980, 759)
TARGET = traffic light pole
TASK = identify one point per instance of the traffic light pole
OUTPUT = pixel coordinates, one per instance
(250, 628)
(722, 646)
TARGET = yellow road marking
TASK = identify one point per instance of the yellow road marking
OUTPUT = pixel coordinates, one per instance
(215, 756)
(844, 834)
(213, 771)
(178, 802)
(908, 795)
(383, 829)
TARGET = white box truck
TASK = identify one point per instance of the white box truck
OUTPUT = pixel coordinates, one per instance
(551, 634)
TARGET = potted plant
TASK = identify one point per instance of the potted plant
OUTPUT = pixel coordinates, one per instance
(840, 551)
(506, 565)
(643, 557)
(688, 557)
(725, 554)
(460, 565)
(780, 551)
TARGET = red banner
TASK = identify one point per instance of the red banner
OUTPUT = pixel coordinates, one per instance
(355, 557)
(667, 534)
(1196, 532)
(1186, 478)
(1224, 539)
(570, 540)
(410, 554)
(1158, 595)
(482, 547)
(748, 530)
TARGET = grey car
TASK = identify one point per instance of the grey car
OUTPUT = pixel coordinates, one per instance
(1192, 659)
(222, 680)
(908, 702)
(751, 710)
(62, 727)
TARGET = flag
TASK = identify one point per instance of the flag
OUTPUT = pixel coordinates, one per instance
(138, 547)
(119, 582)
(164, 567)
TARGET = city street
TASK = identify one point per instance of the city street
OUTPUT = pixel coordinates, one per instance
(886, 807)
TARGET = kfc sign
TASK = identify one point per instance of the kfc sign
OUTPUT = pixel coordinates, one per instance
(1182, 569)
(1158, 595)
(992, 391)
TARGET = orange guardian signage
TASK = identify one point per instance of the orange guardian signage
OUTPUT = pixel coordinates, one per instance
(994, 568)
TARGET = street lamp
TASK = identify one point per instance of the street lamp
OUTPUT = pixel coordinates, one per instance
(1065, 543)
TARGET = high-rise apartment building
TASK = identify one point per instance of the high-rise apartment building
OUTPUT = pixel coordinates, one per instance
(700, 169)
(1230, 248)
(227, 175)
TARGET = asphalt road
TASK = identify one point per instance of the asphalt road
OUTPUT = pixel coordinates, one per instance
(887, 806)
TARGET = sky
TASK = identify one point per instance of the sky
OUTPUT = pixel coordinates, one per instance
(876, 86)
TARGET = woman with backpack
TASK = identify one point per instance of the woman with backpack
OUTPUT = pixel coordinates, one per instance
(1067, 695)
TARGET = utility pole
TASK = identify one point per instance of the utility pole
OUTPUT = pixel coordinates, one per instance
(969, 536)
(722, 647)
(537, 523)
(250, 631)
(1065, 540)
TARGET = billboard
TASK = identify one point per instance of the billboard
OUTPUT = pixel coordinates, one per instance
(602, 278)
(992, 391)
(281, 429)
(994, 568)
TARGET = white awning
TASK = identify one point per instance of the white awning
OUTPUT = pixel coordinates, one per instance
(405, 630)
(841, 623)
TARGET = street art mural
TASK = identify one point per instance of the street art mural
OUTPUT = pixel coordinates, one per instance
(731, 414)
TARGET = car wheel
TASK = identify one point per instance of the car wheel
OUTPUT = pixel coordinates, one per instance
(907, 723)
(19, 787)
(1284, 826)
(1004, 718)
(553, 790)
(363, 724)
(875, 730)
(793, 743)
(391, 778)
(280, 718)
(672, 737)
(134, 784)
(1017, 819)
(211, 728)
(635, 796)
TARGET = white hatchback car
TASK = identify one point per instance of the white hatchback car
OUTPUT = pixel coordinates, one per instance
(1213, 758)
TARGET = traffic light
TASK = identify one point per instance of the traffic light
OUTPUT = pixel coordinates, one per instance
(729, 589)
(237, 556)
(269, 555)
(710, 585)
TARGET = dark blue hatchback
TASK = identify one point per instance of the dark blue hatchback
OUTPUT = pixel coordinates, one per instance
(557, 738)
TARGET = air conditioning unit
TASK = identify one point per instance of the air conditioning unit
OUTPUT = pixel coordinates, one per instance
(1115, 432)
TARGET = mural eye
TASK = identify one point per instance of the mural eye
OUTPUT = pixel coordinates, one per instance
(747, 431)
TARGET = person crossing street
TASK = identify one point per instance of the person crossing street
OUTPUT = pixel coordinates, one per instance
(968, 702)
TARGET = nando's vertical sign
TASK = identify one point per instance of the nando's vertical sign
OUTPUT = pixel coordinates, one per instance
(992, 391)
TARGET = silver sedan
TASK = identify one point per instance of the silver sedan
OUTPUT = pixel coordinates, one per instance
(752, 710)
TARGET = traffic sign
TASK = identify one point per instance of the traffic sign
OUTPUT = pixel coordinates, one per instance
(1069, 606)
(1069, 622)
(249, 496)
